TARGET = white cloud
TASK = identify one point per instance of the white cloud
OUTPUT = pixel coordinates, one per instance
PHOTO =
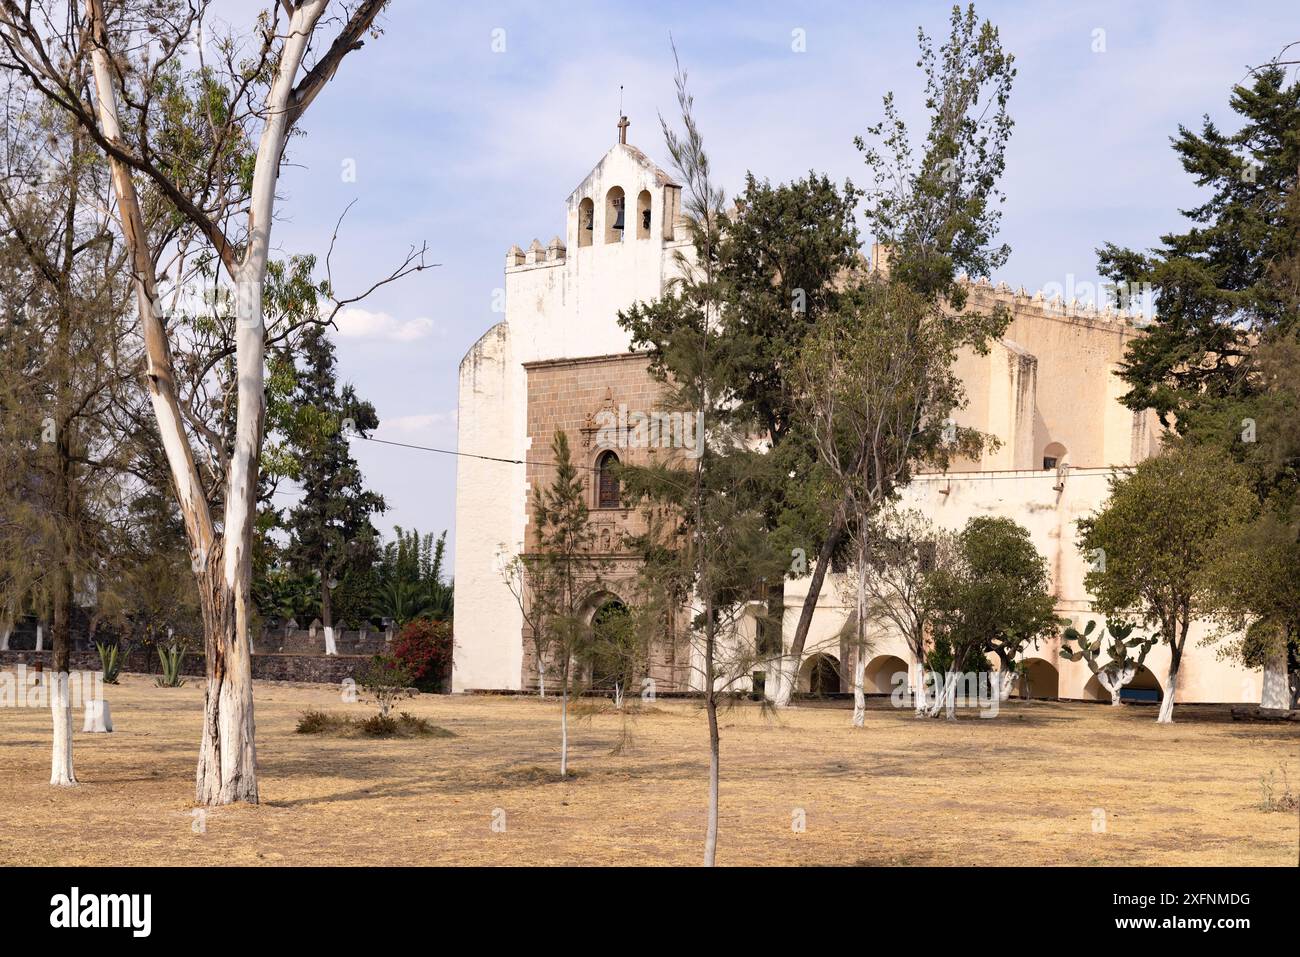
(408, 424)
(355, 323)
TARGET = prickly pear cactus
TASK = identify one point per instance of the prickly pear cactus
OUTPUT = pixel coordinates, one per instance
(1120, 666)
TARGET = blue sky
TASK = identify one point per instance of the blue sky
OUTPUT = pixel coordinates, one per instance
(472, 150)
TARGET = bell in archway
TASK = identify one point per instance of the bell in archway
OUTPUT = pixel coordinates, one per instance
(618, 220)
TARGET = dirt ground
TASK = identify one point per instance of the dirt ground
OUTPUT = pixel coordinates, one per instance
(1043, 783)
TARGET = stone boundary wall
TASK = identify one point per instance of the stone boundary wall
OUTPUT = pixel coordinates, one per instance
(271, 641)
(314, 669)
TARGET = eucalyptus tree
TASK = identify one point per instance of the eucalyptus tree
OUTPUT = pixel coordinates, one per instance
(207, 142)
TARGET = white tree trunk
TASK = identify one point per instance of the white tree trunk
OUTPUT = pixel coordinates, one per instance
(920, 699)
(227, 758)
(331, 647)
(1166, 715)
(541, 678)
(61, 773)
(564, 730)
(715, 756)
(1113, 683)
(40, 637)
(1276, 689)
(618, 695)
(946, 700)
(786, 675)
(859, 697)
(4, 636)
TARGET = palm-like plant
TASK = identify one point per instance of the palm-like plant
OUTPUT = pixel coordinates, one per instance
(401, 601)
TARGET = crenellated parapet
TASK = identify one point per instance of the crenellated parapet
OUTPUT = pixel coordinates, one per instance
(1054, 306)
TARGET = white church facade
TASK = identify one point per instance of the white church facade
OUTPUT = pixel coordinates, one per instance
(559, 359)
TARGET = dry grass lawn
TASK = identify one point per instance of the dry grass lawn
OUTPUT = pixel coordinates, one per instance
(1019, 789)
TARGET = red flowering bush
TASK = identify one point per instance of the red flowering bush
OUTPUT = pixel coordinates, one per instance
(424, 648)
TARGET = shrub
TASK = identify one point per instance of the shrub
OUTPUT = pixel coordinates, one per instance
(379, 726)
(376, 726)
(424, 647)
(321, 722)
(386, 680)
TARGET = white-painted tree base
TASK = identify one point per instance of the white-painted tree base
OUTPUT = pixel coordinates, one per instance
(61, 773)
(859, 697)
(99, 718)
(1166, 715)
(330, 647)
(1276, 689)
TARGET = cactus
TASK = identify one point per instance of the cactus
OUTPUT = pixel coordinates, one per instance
(1114, 674)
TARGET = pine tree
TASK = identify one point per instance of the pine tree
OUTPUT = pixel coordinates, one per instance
(561, 572)
(331, 533)
(1217, 364)
(1230, 280)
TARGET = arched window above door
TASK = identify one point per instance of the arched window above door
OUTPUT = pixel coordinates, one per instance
(607, 481)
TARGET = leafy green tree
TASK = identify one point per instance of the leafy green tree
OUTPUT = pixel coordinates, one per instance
(995, 599)
(935, 214)
(782, 260)
(1252, 583)
(878, 376)
(330, 527)
(1151, 542)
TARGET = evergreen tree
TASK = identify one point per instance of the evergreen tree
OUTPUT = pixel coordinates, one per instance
(330, 528)
(560, 572)
(1230, 280)
(1217, 364)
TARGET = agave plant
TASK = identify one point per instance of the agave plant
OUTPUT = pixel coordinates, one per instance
(110, 661)
(171, 657)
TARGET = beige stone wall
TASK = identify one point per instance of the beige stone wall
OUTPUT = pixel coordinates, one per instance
(571, 395)
(1071, 395)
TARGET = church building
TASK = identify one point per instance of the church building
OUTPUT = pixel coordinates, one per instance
(559, 361)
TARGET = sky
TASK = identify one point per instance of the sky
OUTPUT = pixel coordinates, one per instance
(466, 126)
